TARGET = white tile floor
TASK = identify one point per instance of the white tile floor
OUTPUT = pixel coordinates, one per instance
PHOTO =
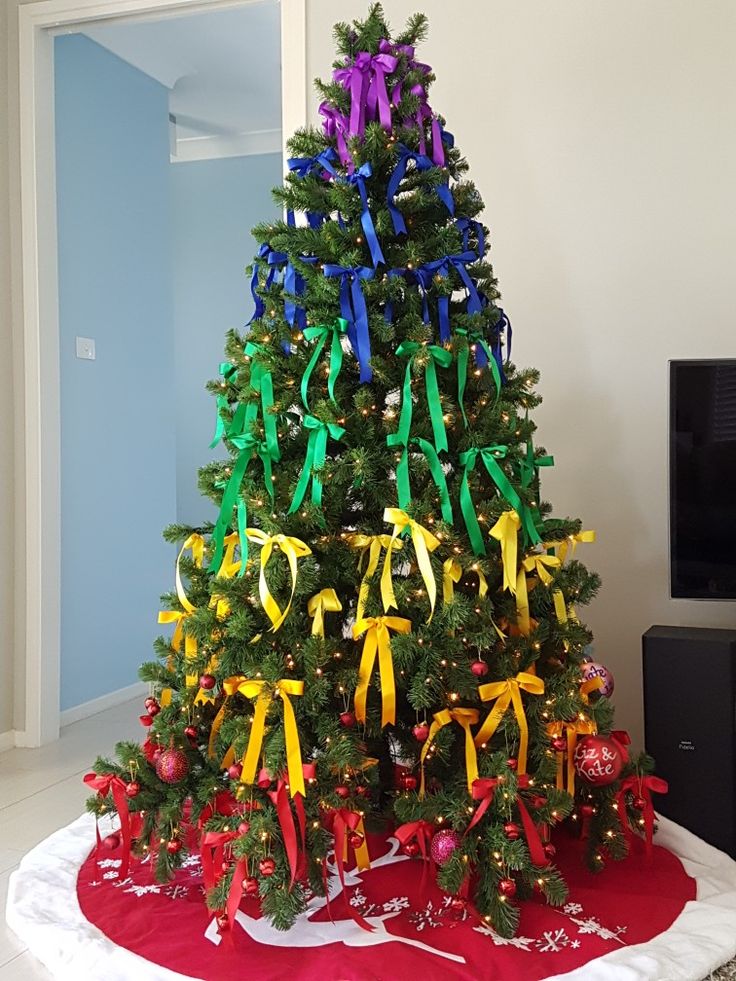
(41, 790)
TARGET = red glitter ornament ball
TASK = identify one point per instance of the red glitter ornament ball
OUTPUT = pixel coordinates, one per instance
(512, 831)
(173, 846)
(421, 732)
(207, 681)
(479, 669)
(111, 842)
(250, 886)
(347, 719)
(411, 848)
(132, 789)
(507, 888)
(267, 866)
(598, 760)
(409, 782)
(443, 845)
(172, 766)
(342, 791)
(638, 803)
(146, 720)
(512, 763)
(235, 771)
(192, 733)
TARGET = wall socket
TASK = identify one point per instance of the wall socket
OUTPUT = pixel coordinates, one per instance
(86, 348)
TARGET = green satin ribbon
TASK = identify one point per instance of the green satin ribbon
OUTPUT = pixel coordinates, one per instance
(437, 356)
(229, 373)
(490, 455)
(528, 465)
(463, 356)
(320, 334)
(316, 453)
(403, 485)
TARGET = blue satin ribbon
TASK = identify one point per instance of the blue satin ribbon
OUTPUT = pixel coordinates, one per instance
(296, 315)
(303, 167)
(421, 163)
(441, 267)
(503, 326)
(467, 225)
(353, 309)
(388, 310)
(358, 179)
(272, 260)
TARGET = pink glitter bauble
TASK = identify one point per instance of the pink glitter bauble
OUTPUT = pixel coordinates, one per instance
(172, 766)
(593, 669)
(443, 845)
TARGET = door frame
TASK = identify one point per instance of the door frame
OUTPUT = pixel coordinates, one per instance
(36, 351)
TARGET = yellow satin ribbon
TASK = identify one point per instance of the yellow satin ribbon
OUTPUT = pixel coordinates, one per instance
(540, 563)
(195, 542)
(465, 718)
(506, 531)
(229, 566)
(424, 543)
(372, 546)
(325, 601)
(571, 543)
(508, 693)
(573, 729)
(591, 684)
(293, 549)
(452, 573)
(264, 693)
(378, 641)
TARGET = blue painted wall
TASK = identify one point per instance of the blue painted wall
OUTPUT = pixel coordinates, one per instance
(215, 204)
(118, 433)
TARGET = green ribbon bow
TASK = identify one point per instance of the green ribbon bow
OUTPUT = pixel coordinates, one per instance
(490, 455)
(463, 356)
(437, 356)
(320, 334)
(438, 475)
(529, 464)
(316, 452)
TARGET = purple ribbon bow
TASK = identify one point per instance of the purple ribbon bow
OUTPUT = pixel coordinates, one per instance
(365, 79)
(335, 126)
(353, 309)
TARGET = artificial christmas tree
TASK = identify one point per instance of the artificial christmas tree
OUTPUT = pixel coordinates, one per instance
(380, 629)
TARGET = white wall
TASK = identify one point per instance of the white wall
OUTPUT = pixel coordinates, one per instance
(601, 136)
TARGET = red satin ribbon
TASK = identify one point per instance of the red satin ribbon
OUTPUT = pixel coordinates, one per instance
(105, 785)
(212, 849)
(483, 790)
(643, 787)
(421, 832)
(339, 821)
(533, 841)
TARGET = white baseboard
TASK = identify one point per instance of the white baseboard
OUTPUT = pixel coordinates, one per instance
(7, 740)
(103, 703)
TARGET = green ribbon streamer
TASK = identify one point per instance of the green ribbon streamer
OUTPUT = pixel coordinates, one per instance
(403, 486)
(320, 334)
(261, 381)
(490, 455)
(229, 373)
(316, 453)
(438, 356)
(463, 355)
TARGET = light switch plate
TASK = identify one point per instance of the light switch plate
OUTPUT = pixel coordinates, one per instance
(86, 348)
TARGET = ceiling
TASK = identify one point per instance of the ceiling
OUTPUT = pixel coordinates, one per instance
(222, 68)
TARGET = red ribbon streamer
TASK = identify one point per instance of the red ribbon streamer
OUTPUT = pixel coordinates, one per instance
(212, 849)
(421, 832)
(105, 785)
(339, 821)
(643, 787)
(533, 841)
(483, 790)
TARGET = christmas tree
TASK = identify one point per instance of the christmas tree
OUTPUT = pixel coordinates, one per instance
(380, 629)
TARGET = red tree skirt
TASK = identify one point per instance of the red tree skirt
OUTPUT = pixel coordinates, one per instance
(635, 920)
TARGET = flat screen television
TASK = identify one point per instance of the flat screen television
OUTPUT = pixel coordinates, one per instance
(703, 479)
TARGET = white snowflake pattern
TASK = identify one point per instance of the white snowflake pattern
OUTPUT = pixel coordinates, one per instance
(195, 873)
(521, 943)
(110, 875)
(109, 863)
(571, 908)
(396, 904)
(123, 882)
(144, 890)
(95, 884)
(176, 892)
(428, 917)
(553, 941)
(574, 944)
(358, 899)
(191, 861)
(591, 925)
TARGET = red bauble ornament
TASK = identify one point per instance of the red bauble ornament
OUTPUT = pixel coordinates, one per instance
(638, 803)
(342, 791)
(512, 763)
(479, 669)
(173, 846)
(458, 904)
(507, 888)
(538, 801)
(243, 828)
(172, 766)
(156, 755)
(235, 771)
(587, 810)
(409, 782)
(347, 719)
(150, 700)
(355, 839)
(146, 720)
(223, 923)
(512, 831)
(443, 845)
(192, 733)
(549, 850)
(559, 744)
(595, 670)
(111, 842)
(421, 732)
(363, 790)
(267, 866)
(250, 886)
(598, 760)
(411, 848)
(207, 681)
(132, 789)
(152, 707)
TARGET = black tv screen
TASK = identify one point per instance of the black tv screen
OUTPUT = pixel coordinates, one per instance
(703, 479)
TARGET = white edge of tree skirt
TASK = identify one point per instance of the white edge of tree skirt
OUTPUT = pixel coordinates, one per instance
(44, 912)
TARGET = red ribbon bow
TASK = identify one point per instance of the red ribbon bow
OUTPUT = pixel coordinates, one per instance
(341, 820)
(642, 787)
(483, 790)
(115, 785)
(421, 832)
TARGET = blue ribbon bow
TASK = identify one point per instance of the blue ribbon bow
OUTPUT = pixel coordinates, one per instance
(358, 179)
(388, 310)
(442, 267)
(421, 163)
(467, 225)
(303, 167)
(353, 309)
(272, 260)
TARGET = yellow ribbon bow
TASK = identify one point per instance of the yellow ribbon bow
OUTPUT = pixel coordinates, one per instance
(293, 549)
(195, 542)
(424, 543)
(571, 543)
(540, 563)
(506, 530)
(582, 726)
(372, 545)
(378, 641)
(508, 693)
(264, 693)
(229, 567)
(465, 718)
(451, 574)
(325, 601)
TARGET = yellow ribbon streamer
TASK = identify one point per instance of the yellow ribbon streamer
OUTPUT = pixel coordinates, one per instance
(293, 549)
(325, 601)
(195, 542)
(571, 543)
(372, 545)
(465, 718)
(506, 531)
(378, 641)
(229, 566)
(572, 729)
(508, 693)
(264, 693)
(424, 543)
(451, 574)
